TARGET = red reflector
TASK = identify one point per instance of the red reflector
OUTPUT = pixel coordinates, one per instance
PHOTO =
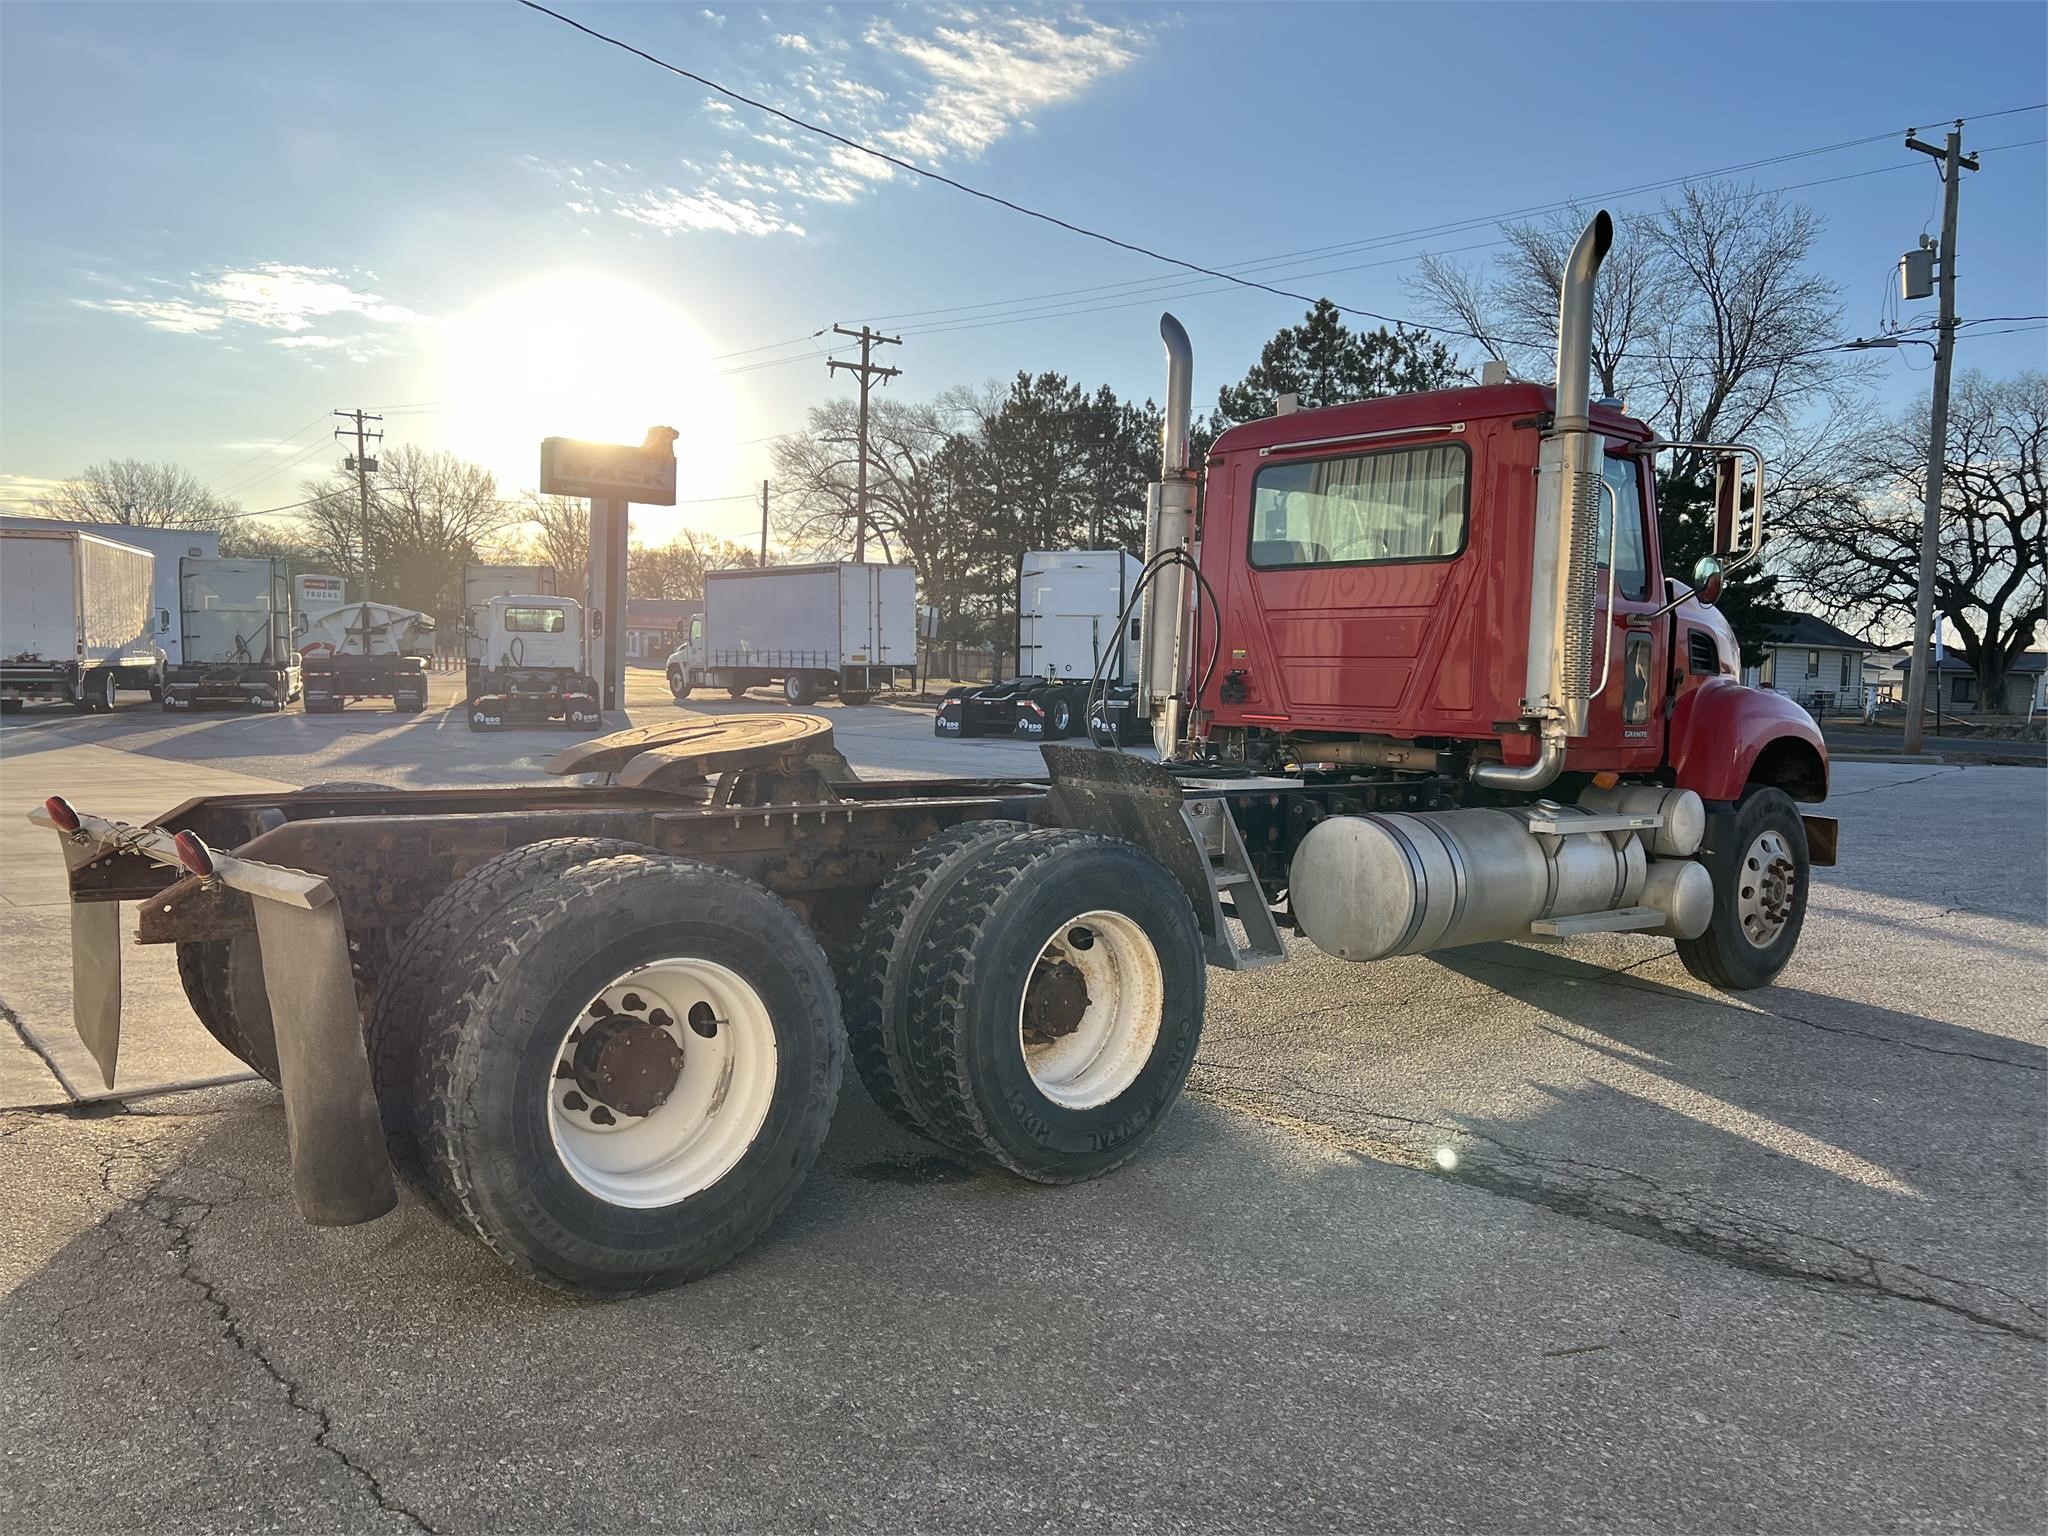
(61, 813)
(194, 854)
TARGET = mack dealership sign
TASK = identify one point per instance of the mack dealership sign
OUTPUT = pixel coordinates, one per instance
(643, 473)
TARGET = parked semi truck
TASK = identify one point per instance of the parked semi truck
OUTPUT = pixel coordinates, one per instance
(847, 629)
(78, 619)
(365, 651)
(481, 583)
(168, 545)
(236, 636)
(1444, 691)
(534, 666)
(1074, 638)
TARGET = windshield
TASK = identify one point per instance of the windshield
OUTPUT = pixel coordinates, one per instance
(1396, 504)
(535, 621)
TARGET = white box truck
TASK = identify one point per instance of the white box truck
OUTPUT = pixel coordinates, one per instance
(169, 545)
(1068, 605)
(78, 619)
(843, 628)
(235, 622)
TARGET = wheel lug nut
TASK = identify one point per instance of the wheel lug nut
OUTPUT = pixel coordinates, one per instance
(574, 1100)
(601, 1116)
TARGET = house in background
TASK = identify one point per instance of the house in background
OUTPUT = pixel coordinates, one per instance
(1815, 664)
(2026, 686)
(655, 626)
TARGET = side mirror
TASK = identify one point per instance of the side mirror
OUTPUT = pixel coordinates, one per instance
(1134, 629)
(1707, 580)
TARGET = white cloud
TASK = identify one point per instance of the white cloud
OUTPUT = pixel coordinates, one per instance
(268, 296)
(713, 17)
(949, 90)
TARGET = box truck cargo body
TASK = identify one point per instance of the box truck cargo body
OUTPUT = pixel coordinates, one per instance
(168, 545)
(845, 628)
(1069, 605)
(78, 619)
(235, 622)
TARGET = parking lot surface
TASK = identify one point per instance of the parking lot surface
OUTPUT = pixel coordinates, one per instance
(1701, 1262)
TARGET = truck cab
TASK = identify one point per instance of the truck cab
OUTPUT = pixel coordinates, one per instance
(529, 664)
(1373, 567)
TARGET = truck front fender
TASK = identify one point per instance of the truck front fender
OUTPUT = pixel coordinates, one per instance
(1725, 736)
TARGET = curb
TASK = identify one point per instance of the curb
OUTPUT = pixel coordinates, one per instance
(1887, 757)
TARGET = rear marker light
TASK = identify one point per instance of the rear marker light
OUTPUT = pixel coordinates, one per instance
(61, 813)
(193, 854)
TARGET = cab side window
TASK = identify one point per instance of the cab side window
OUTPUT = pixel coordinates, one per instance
(1625, 512)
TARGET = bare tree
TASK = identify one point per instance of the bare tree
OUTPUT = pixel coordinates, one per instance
(676, 569)
(137, 494)
(555, 530)
(429, 515)
(1859, 563)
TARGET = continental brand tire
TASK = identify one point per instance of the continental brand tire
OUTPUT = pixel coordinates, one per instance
(1056, 1006)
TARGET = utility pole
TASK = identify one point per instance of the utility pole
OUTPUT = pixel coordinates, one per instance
(764, 524)
(361, 462)
(1954, 163)
(867, 372)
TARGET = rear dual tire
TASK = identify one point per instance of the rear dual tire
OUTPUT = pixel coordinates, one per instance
(716, 975)
(1040, 1004)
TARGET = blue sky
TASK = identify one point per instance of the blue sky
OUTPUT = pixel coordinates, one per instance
(218, 223)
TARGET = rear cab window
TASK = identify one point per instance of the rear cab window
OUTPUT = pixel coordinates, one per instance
(1390, 505)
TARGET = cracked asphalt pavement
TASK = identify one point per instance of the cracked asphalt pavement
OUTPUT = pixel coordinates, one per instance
(1701, 1262)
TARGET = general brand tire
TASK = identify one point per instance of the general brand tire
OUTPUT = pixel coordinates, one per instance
(857, 698)
(223, 981)
(1059, 718)
(419, 971)
(493, 1136)
(1038, 1109)
(679, 685)
(1761, 870)
(800, 689)
(736, 690)
(894, 930)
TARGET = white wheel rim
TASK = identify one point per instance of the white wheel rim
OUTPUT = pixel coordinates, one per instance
(1088, 1060)
(1767, 885)
(712, 1114)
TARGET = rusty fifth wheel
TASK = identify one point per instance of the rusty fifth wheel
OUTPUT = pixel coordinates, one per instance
(1054, 1005)
(631, 1073)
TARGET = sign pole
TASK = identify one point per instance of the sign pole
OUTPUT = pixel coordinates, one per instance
(608, 599)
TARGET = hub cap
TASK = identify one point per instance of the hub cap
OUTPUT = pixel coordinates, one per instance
(1089, 1019)
(1768, 885)
(662, 1083)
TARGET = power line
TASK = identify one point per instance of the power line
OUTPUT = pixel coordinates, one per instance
(1019, 208)
(267, 448)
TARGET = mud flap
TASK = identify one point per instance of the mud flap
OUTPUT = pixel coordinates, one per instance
(95, 966)
(341, 1174)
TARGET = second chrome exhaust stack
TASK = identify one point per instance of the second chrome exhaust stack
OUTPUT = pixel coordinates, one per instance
(1169, 524)
(1557, 687)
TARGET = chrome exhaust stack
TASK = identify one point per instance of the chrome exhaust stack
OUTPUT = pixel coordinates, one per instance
(1557, 687)
(1169, 524)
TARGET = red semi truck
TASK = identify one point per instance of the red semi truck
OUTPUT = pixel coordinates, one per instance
(1427, 684)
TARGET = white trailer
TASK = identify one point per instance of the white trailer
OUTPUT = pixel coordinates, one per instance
(78, 619)
(169, 545)
(235, 622)
(843, 628)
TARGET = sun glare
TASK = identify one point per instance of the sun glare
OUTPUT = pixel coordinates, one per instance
(583, 354)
